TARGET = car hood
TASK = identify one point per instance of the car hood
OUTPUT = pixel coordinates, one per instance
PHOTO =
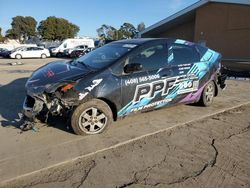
(55, 73)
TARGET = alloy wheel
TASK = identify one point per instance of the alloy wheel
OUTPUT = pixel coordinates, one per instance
(92, 121)
(209, 93)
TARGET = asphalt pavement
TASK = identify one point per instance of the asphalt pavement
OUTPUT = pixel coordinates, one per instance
(180, 146)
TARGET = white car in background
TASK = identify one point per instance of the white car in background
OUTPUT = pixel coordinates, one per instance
(29, 52)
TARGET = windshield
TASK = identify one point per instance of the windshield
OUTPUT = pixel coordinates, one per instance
(104, 56)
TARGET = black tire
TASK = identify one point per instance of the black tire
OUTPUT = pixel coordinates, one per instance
(208, 94)
(84, 118)
(59, 54)
(18, 56)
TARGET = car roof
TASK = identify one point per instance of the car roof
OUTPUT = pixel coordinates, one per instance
(138, 41)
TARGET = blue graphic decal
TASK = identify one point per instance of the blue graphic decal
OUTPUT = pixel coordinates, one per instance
(199, 70)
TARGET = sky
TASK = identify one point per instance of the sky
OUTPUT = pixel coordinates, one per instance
(91, 14)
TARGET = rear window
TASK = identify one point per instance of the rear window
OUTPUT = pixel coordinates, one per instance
(182, 54)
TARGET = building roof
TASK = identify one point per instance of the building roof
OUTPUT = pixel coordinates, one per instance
(187, 13)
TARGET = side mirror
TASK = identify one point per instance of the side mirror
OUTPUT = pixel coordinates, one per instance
(133, 67)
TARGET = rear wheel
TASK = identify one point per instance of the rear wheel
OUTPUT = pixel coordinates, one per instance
(92, 117)
(18, 56)
(208, 94)
(43, 56)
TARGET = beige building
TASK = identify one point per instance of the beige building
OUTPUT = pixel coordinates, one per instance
(223, 25)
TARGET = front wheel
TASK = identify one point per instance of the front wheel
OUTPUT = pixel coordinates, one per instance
(208, 94)
(43, 56)
(92, 117)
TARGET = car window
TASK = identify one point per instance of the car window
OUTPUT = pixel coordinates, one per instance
(151, 58)
(34, 48)
(82, 47)
(181, 54)
(28, 49)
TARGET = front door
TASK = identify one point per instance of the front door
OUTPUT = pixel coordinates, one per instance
(143, 90)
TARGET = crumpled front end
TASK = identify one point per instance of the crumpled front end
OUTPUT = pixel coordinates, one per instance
(32, 106)
(50, 90)
(59, 101)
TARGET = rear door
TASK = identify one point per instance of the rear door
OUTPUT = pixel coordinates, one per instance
(37, 52)
(181, 61)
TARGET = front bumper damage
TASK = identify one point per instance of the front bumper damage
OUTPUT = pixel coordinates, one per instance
(31, 107)
(41, 105)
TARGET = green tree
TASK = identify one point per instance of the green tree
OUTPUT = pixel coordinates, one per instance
(22, 27)
(128, 30)
(141, 27)
(1, 37)
(109, 33)
(54, 28)
(1, 32)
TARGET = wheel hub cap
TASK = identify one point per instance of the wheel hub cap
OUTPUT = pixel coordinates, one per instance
(92, 121)
(209, 93)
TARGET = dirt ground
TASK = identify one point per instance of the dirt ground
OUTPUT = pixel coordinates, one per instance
(181, 146)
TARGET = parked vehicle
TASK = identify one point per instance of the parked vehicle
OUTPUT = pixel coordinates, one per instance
(123, 78)
(79, 52)
(70, 50)
(12, 45)
(50, 49)
(29, 52)
(2, 49)
(71, 43)
(3, 52)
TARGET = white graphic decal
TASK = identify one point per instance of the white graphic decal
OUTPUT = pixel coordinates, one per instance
(141, 79)
(95, 83)
(151, 105)
(82, 95)
(186, 84)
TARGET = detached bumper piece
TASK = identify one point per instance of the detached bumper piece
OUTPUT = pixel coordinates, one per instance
(221, 80)
(31, 107)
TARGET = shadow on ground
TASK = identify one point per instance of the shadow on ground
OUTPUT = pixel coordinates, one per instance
(12, 96)
(11, 101)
